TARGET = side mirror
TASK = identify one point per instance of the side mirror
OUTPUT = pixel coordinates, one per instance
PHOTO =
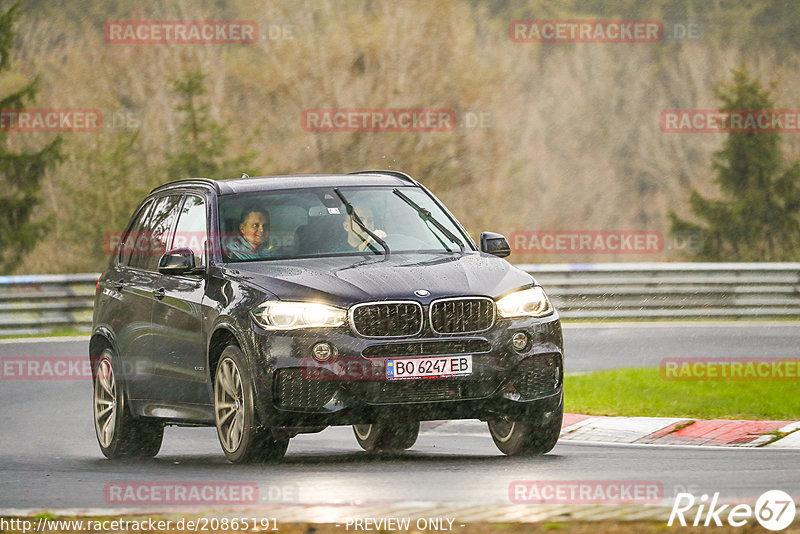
(178, 261)
(495, 244)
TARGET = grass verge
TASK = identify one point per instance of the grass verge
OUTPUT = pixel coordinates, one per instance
(642, 392)
(58, 332)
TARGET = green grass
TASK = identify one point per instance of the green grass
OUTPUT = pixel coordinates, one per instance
(58, 332)
(642, 392)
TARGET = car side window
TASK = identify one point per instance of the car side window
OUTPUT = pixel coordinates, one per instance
(157, 231)
(191, 230)
(134, 238)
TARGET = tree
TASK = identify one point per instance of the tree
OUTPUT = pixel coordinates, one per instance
(201, 142)
(758, 218)
(20, 173)
(90, 218)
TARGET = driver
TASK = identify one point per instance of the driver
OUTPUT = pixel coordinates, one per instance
(357, 238)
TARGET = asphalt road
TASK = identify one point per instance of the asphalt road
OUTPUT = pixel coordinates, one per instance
(590, 347)
(49, 457)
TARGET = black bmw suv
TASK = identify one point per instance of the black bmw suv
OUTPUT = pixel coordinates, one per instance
(274, 306)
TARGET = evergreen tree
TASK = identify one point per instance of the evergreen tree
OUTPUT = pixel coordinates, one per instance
(20, 173)
(758, 218)
(202, 142)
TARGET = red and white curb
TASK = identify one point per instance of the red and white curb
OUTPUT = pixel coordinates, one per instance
(656, 431)
(681, 431)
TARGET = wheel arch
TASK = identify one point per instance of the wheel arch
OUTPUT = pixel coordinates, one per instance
(101, 339)
(223, 336)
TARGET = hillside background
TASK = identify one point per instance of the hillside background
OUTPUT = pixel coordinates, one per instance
(570, 139)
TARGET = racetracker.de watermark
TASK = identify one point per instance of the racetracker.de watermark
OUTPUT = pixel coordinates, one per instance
(586, 242)
(586, 491)
(180, 32)
(343, 368)
(585, 31)
(730, 121)
(719, 369)
(63, 367)
(45, 368)
(51, 120)
(121, 120)
(139, 524)
(181, 493)
(378, 120)
(152, 244)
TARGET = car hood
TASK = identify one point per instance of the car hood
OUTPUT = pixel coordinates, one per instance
(346, 280)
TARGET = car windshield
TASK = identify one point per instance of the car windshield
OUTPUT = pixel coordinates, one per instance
(317, 222)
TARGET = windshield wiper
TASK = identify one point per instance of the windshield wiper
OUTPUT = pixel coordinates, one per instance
(426, 216)
(352, 213)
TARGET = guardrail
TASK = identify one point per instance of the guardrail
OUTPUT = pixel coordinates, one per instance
(46, 303)
(672, 290)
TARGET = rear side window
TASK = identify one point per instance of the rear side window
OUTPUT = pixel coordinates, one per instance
(155, 233)
(129, 244)
(191, 230)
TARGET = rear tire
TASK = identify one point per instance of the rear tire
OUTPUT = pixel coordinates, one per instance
(243, 437)
(527, 438)
(119, 433)
(387, 436)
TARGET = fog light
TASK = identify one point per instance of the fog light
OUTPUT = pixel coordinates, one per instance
(322, 351)
(519, 341)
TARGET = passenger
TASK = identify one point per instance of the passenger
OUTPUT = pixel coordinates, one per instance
(253, 241)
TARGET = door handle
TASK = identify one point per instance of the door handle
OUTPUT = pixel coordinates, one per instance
(159, 293)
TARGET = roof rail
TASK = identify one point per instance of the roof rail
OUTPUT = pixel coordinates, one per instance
(396, 174)
(188, 181)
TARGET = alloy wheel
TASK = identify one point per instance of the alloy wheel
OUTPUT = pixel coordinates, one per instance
(105, 402)
(228, 405)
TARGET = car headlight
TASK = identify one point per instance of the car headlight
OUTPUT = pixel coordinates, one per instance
(280, 315)
(531, 302)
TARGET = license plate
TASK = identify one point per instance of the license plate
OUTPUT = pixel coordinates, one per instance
(429, 367)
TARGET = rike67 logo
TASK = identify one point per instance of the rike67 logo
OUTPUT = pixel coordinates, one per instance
(774, 510)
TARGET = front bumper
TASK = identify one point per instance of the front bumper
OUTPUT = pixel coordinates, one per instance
(295, 390)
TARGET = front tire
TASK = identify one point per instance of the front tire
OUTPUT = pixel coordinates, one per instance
(387, 437)
(243, 438)
(119, 433)
(527, 438)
